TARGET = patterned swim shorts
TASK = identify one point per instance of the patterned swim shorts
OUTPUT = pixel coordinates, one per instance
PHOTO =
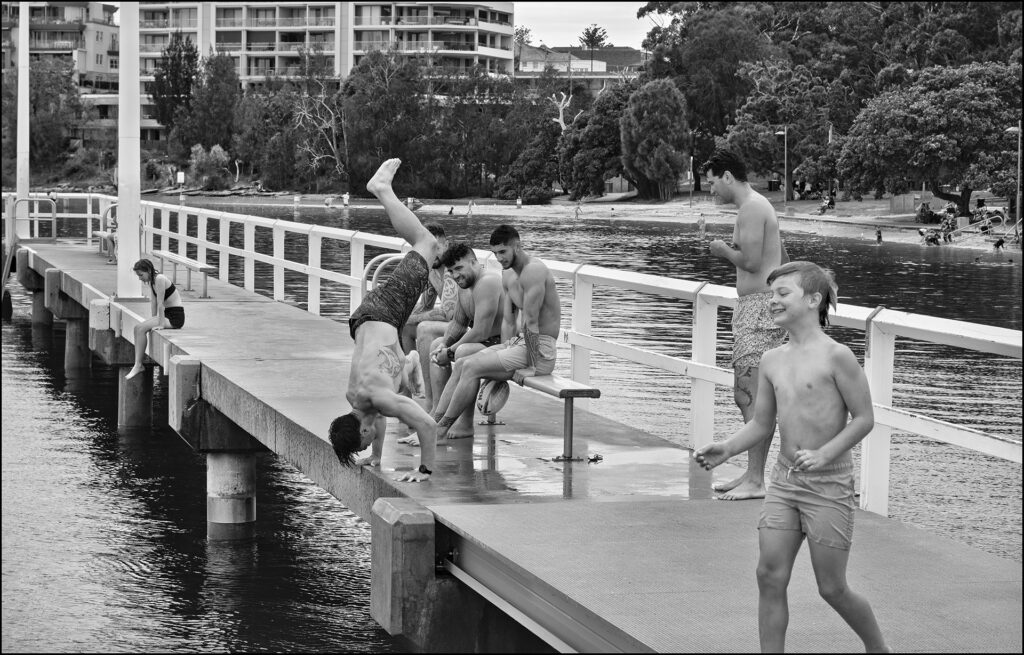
(754, 331)
(392, 301)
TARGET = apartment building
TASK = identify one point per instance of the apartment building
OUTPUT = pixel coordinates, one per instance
(83, 34)
(265, 39)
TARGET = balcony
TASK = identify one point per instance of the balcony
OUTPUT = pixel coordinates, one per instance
(152, 47)
(261, 22)
(226, 46)
(184, 23)
(43, 21)
(320, 21)
(260, 47)
(229, 22)
(55, 44)
(268, 71)
(156, 23)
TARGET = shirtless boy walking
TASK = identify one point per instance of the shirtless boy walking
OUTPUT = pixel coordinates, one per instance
(819, 394)
(377, 361)
(756, 250)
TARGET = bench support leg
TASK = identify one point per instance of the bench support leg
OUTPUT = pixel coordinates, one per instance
(204, 287)
(188, 279)
(567, 430)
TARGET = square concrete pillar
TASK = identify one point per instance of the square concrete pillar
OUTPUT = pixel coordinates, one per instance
(402, 563)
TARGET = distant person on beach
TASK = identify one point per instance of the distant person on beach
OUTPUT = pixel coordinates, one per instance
(756, 250)
(702, 227)
(476, 325)
(165, 304)
(378, 370)
(531, 318)
(817, 391)
(878, 235)
(998, 245)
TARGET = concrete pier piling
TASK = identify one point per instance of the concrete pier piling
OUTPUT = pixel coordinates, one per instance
(402, 563)
(230, 496)
(134, 398)
(77, 355)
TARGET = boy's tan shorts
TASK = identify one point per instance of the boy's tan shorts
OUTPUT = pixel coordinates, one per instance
(819, 504)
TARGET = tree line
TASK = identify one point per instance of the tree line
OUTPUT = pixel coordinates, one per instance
(880, 97)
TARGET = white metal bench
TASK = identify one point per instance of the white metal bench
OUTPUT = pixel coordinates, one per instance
(567, 390)
(189, 265)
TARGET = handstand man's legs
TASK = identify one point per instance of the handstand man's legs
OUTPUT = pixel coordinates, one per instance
(751, 483)
(401, 217)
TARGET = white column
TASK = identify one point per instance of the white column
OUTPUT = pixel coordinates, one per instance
(702, 393)
(21, 211)
(129, 160)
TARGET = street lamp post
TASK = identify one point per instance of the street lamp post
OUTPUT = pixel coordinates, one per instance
(785, 165)
(1016, 218)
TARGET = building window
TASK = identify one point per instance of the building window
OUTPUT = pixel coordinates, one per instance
(114, 63)
(99, 60)
(99, 37)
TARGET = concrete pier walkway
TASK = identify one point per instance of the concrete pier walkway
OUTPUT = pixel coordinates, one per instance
(629, 553)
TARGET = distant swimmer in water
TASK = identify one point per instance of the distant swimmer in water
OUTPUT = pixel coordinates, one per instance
(999, 244)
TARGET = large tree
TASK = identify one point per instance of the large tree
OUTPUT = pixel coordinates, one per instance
(947, 127)
(655, 138)
(55, 110)
(592, 149)
(593, 37)
(210, 119)
(174, 79)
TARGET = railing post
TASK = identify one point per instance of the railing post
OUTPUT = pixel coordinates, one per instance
(879, 359)
(313, 282)
(224, 236)
(357, 252)
(249, 245)
(582, 310)
(182, 233)
(201, 237)
(278, 254)
(165, 224)
(704, 338)
(146, 229)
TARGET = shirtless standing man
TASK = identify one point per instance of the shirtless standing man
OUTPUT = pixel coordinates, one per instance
(756, 251)
(377, 361)
(531, 310)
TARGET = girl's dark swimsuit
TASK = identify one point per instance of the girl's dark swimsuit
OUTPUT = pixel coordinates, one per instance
(176, 315)
(393, 301)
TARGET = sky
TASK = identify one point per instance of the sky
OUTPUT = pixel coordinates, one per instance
(561, 23)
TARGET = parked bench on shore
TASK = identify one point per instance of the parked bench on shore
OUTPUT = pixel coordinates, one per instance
(189, 265)
(566, 390)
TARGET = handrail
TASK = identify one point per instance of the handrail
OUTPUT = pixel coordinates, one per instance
(880, 326)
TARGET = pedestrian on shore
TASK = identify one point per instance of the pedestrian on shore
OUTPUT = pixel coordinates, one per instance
(755, 251)
(998, 245)
(810, 386)
(702, 226)
(165, 303)
(878, 235)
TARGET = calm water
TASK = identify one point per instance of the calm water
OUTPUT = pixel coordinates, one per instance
(104, 533)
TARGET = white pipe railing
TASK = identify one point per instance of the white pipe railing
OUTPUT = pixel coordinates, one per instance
(881, 326)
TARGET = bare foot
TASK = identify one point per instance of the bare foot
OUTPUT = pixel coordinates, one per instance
(729, 486)
(135, 371)
(411, 440)
(745, 491)
(381, 180)
(453, 434)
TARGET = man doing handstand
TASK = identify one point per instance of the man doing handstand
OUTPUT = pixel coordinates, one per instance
(377, 361)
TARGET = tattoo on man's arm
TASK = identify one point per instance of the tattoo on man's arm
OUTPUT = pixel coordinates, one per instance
(388, 362)
(532, 345)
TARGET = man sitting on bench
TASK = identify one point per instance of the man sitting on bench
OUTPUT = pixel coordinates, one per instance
(531, 318)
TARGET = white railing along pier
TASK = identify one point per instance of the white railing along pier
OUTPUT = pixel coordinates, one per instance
(881, 326)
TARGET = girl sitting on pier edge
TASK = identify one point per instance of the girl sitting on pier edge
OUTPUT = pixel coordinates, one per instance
(165, 302)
